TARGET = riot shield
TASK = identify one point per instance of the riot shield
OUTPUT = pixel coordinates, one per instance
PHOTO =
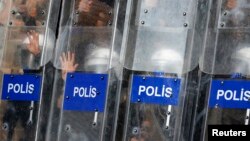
(160, 49)
(27, 40)
(224, 81)
(84, 97)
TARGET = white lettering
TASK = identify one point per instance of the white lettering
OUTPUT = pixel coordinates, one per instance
(17, 88)
(230, 133)
(141, 89)
(85, 92)
(81, 92)
(228, 95)
(233, 95)
(215, 132)
(10, 87)
(76, 90)
(150, 91)
(93, 93)
(155, 91)
(241, 94)
(31, 89)
(21, 88)
(243, 133)
(246, 95)
(169, 92)
(162, 91)
(219, 94)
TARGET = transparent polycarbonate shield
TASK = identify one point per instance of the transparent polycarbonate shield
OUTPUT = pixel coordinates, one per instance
(23, 117)
(84, 49)
(160, 50)
(29, 35)
(87, 13)
(224, 67)
(159, 41)
(157, 50)
(157, 13)
(90, 47)
(227, 43)
(4, 16)
(222, 100)
(226, 52)
(148, 120)
(15, 53)
(36, 12)
(19, 118)
(4, 9)
(26, 49)
(233, 14)
(2, 32)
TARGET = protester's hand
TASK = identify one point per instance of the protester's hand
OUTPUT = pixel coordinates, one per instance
(231, 4)
(33, 45)
(68, 63)
(94, 13)
(59, 102)
(85, 5)
(18, 22)
(137, 139)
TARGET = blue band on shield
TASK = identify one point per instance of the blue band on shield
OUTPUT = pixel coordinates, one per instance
(230, 94)
(24, 87)
(155, 90)
(85, 92)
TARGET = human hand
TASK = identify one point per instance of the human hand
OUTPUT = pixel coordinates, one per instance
(102, 13)
(18, 22)
(33, 45)
(136, 139)
(102, 20)
(31, 6)
(68, 63)
(85, 5)
(231, 4)
(59, 102)
(94, 13)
